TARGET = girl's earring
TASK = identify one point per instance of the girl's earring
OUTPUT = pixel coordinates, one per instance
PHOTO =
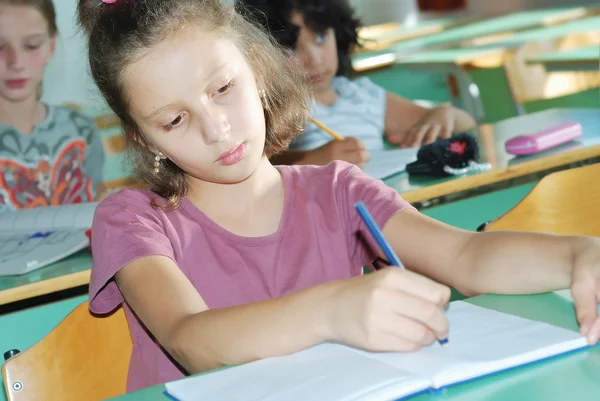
(157, 159)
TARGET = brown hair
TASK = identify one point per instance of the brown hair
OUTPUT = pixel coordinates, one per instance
(121, 32)
(44, 6)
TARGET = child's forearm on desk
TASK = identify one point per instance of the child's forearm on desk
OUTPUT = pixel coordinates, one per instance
(241, 334)
(515, 263)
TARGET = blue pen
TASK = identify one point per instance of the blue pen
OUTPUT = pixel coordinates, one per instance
(382, 242)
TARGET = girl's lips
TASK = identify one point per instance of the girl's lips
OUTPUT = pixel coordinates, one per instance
(233, 156)
(16, 83)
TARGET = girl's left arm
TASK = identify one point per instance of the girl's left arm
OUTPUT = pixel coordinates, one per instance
(408, 124)
(502, 262)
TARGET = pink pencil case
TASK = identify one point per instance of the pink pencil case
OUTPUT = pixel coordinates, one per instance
(545, 139)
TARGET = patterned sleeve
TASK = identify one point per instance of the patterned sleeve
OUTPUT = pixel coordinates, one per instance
(382, 201)
(126, 227)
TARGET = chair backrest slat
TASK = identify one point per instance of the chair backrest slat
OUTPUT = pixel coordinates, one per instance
(84, 358)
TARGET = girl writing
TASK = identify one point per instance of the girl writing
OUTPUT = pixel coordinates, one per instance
(49, 155)
(320, 35)
(226, 258)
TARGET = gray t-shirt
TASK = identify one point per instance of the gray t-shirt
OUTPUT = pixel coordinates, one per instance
(60, 162)
(359, 112)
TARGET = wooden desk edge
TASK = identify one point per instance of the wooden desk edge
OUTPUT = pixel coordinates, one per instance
(494, 176)
(574, 61)
(45, 287)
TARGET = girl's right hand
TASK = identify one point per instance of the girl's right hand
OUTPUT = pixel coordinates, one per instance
(389, 310)
(350, 150)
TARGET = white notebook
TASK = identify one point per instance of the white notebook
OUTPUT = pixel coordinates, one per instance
(482, 342)
(33, 238)
(388, 162)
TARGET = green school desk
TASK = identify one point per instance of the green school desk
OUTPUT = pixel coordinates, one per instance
(379, 37)
(485, 31)
(506, 167)
(571, 377)
(459, 61)
(583, 59)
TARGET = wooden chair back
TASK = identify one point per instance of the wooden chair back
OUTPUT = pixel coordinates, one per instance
(565, 202)
(84, 358)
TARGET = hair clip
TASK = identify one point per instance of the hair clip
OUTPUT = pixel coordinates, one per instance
(109, 1)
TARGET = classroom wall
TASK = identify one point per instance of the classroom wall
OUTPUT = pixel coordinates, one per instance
(376, 11)
(67, 77)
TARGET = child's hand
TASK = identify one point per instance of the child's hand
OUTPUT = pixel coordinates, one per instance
(350, 150)
(437, 124)
(585, 289)
(390, 310)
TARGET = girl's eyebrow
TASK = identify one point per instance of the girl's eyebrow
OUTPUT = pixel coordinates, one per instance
(159, 110)
(208, 77)
(35, 36)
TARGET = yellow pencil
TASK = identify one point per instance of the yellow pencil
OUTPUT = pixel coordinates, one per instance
(326, 129)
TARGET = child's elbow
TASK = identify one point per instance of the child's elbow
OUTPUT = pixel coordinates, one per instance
(186, 348)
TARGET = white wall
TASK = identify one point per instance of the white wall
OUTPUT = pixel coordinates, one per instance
(67, 77)
(373, 12)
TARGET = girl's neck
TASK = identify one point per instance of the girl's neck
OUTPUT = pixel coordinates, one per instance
(23, 115)
(214, 199)
(326, 97)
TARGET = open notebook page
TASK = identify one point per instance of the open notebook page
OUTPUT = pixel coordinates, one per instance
(483, 341)
(322, 373)
(388, 162)
(33, 238)
(78, 215)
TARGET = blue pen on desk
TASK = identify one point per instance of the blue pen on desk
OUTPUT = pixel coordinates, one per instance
(382, 242)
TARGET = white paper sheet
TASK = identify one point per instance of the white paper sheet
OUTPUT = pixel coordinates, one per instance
(386, 163)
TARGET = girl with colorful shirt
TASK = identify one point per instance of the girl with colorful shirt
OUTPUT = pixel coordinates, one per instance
(49, 155)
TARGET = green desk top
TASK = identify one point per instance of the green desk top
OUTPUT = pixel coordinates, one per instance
(505, 166)
(585, 58)
(588, 25)
(462, 55)
(449, 56)
(419, 29)
(591, 53)
(64, 274)
(570, 377)
(506, 23)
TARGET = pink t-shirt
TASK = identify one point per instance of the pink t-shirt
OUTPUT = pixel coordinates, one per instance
(320, 238)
